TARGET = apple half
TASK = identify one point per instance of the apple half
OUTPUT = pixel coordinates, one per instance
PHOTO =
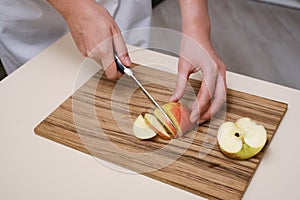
(179, 114)
(242, 139)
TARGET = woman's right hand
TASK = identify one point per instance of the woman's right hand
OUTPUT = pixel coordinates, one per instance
(94, 32)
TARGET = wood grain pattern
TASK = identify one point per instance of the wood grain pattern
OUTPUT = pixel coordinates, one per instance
(98, 119)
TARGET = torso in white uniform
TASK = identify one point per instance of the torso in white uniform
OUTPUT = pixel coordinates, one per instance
(29, 26)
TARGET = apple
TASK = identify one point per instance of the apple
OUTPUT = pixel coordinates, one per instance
(141, 130)
(179, 114)
(156, 126)
(242, 139)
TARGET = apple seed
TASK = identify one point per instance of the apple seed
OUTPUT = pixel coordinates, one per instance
(237, 134)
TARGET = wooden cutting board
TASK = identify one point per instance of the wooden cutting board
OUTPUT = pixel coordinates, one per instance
(97, 119)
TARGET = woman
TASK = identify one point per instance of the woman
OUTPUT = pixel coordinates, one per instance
(28, 26)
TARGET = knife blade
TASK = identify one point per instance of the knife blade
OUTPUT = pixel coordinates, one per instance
(126, 70)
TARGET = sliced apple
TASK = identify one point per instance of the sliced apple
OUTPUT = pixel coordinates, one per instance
(156, 126)
(141, 130)
(242, 139)
(179, 114)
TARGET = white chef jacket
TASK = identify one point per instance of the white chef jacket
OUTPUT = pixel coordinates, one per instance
(29, 26)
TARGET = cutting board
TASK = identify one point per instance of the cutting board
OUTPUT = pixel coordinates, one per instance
(97, 119)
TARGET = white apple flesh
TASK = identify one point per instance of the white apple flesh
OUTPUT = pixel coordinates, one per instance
(242, 139)
(141, 130)
(156, 126)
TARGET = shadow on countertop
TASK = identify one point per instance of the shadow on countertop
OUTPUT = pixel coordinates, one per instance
(2, 72)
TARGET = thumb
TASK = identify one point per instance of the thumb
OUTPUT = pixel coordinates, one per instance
(182, 79)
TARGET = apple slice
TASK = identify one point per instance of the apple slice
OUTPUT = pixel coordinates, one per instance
(141, 130)
(179, 114)
(242, 139)
(156, 126)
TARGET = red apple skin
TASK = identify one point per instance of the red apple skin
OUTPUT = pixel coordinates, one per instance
(180, 115)
(169, 127)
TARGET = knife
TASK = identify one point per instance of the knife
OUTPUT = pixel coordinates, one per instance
(126, 70)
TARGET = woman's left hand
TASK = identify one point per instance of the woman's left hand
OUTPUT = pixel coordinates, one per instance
(197, 54)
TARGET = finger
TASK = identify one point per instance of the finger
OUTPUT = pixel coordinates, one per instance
(218, 100)
(103, 54)
(108, 61)
(205, 95)
(120, 47)
(182, 79)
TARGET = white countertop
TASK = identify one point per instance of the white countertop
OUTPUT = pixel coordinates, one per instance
(33, 167)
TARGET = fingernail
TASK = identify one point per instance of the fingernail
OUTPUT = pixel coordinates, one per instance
(127, 60)
(173, 98)
(194, 117)
(201, 121)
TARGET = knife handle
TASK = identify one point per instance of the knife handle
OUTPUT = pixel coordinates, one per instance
(122, 68)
